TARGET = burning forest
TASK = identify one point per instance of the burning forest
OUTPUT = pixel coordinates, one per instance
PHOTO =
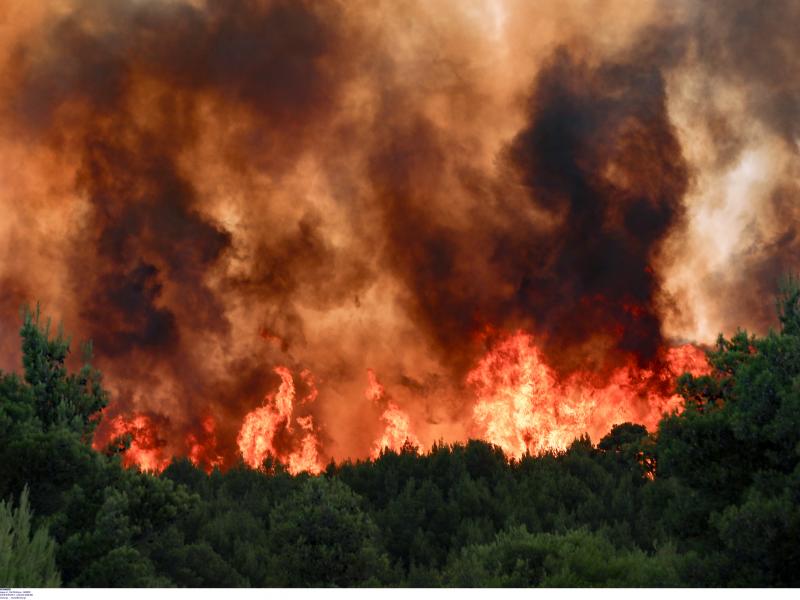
(310, 231)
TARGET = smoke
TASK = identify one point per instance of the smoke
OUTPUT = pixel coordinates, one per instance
(601, 180)
(210, 189)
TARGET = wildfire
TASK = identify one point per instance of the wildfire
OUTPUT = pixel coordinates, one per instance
(209, 189)
(202, 447)
(147, 450)
(273, 430)
(522, 406)
(397, 431)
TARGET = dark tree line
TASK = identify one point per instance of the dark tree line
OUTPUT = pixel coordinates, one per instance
(712, 498)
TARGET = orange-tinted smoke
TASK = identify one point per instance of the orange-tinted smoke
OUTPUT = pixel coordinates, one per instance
(210, 190)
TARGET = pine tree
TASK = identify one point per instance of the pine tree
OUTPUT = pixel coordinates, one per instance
(73, 399)
(25, 560)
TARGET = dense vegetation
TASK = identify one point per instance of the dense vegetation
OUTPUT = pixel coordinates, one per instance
(710, 499)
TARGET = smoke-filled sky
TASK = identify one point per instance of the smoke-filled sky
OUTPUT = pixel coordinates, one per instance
(209, 189)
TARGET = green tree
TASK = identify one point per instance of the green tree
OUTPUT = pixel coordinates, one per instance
(25, 560)
(320, 536)
(577, 558)
(121, 567)
(73, 399)
(732, 457)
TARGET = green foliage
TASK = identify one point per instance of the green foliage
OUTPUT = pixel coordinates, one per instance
(788, 302)
(25, 560)
(735, 453)
(577, 558)
(759, 538)
(121, 567)
(60, 398)
(319, 536)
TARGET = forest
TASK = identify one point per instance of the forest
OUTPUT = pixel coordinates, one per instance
(711, 498)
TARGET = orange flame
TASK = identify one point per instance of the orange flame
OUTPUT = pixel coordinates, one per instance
(202, 448)
(261, 427)
(397, 433)
(522, 407)
(147, 450)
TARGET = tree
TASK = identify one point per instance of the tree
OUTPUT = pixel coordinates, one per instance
(121, 567)
(733, 456)
(622, 437)
(74, 400)
(320, 536)
(25, 560)
(577, 558)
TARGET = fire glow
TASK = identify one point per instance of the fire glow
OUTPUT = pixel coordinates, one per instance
(263, 426)
(523, 408)
(397, 433)
(146, 449)
(287, 226)
(520, 405)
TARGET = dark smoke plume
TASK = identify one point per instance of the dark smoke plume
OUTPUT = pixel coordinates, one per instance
(209, 189)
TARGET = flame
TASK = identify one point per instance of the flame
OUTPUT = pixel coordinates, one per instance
(375, 390)
(202, 448)
(147, 449)
(397, 433)
(522, 406)
(261, 427)
(306, 458)
(687, 359)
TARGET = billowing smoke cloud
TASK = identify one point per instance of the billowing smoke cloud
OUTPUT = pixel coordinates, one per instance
(602, 179)
(209, 189)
